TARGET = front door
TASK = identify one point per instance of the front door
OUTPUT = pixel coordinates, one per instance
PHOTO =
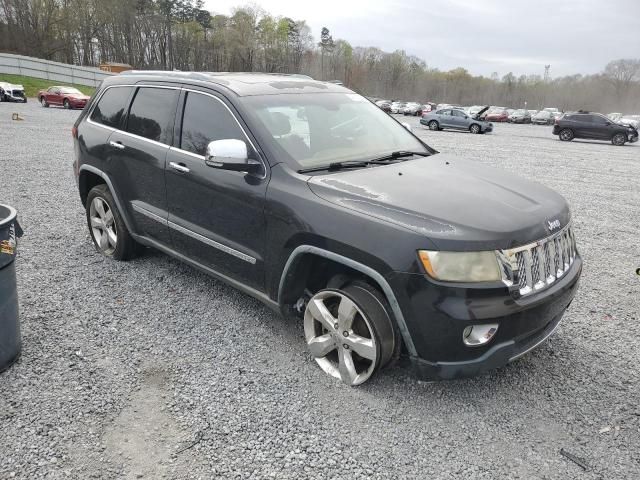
(216, 217)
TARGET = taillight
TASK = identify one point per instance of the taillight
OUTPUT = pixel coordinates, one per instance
(74, 132)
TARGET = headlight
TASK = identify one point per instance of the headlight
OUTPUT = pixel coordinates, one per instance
(461, 266)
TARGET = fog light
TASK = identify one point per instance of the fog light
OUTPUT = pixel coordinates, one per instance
(476, 335)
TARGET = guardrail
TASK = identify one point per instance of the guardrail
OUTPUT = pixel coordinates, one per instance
(54, 71)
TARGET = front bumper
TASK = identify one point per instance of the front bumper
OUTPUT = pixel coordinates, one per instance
(16, 99)
(436, 316)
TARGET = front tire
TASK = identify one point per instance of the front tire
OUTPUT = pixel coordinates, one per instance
(619, 139)
(566, 135)
(108, 231)
(474, 128)
(44, 102)
(349, 332)
(433, 125)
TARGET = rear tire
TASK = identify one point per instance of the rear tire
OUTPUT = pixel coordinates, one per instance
(350, 332)
(433, 125)
(566, 135)
(619, 139)
(106, 227)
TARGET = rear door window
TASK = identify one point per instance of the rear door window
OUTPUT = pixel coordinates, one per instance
(152, 114)
(112, 106)
(204, 120)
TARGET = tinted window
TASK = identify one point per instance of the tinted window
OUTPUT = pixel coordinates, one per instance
(152, 113)
(204, 120)
(582, 118)
(598, 120)
(111, 106)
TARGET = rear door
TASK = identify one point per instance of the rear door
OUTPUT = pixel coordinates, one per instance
(216, 217)
(137, 155)
(445, 118)
(582, 125)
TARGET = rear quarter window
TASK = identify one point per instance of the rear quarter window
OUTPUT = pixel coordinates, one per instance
(111, 106)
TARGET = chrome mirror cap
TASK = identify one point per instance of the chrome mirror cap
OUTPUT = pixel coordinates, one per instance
(228, 150)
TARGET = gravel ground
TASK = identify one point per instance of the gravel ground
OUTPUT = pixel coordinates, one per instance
(150, 369)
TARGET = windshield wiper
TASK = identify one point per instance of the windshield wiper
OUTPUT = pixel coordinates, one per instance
(364, 163)
(399, 154)
(338, 166)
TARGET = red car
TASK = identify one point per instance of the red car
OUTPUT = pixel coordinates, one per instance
(67, 97)
(497, 116)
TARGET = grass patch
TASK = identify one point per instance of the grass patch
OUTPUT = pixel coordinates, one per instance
(33, 85)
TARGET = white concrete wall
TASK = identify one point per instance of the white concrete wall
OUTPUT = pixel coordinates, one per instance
(54, 71)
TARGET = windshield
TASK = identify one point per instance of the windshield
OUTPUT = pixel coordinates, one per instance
(70, 90)
(318, 129)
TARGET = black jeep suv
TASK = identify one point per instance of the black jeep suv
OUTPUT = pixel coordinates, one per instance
(308, 197)
(594, 126)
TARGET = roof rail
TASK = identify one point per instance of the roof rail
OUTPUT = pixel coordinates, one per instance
(194, 75)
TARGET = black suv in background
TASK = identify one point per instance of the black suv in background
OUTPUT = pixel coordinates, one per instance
(308, 197)
(593, 126)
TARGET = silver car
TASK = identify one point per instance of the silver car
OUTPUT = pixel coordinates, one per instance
(457, 119)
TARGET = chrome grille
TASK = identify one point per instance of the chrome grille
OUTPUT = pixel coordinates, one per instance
(536, 266)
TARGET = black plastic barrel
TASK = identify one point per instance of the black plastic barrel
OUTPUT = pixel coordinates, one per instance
(9, 322)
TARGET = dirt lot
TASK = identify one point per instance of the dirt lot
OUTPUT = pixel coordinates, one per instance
(150, 369)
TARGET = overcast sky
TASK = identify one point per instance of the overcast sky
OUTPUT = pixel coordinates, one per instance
(484, 36)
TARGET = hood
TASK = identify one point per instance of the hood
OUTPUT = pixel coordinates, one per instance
(9, 86)
(480, 112)
(458, 204)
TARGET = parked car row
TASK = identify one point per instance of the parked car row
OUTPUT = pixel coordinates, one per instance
(405, 108)
(67, 97)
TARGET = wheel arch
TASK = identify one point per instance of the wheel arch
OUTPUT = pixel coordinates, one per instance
(298, 268)
(89, 174)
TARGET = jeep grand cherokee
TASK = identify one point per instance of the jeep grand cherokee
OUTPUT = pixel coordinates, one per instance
(308, 197)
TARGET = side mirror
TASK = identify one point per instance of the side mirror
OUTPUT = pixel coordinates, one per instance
(230, 154)
(406, 125)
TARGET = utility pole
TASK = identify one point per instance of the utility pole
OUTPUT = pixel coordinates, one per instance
(546, 82)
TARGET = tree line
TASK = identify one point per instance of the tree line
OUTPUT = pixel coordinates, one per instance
(183, 35)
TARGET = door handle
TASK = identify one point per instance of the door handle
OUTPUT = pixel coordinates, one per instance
(117, 145)
(179, 167)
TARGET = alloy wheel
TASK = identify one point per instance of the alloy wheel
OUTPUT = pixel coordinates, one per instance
(433, 125)
(566, 135)
(103, 226)
(475, 129)
(618, 139)
(340, 337)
